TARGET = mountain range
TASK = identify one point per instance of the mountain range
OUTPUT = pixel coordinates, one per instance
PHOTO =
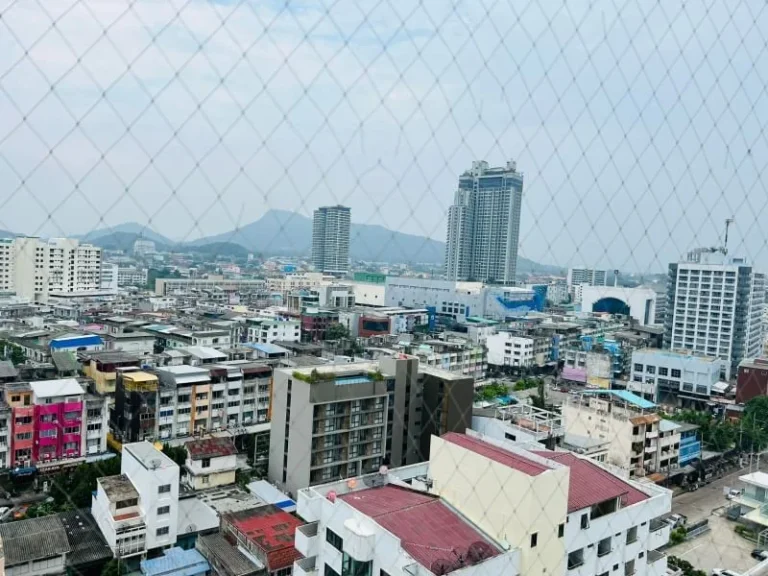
(280, 232)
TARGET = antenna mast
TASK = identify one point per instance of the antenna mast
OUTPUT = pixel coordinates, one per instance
(728, 222)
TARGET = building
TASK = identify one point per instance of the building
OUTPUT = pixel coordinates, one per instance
(457, 355)
(678, 378)
(458, 301)
(334, 296)
(176, 562)
(510, 511)
(315, 323)
(715, 307)
(484, 224)
(330, 240)
(135, 415)
(35, 268)
(269, 330)
(641, 443)
(588, 276)
(638, 303)
(109, 277)
(296, 281)
(170, 286)
(37, 546)
(690, 443)
(101, 367)
(210, 462)
(508, 350)
(348, 419)
(751, 379)
(130, 276)
(142, 247)
(137, 511)
(520, 423)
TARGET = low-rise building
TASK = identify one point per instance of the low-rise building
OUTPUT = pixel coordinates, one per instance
(176, 562)
(270, 330)
(210, 462)
(751, 379)
(678, 378)
(510, 351)
(101, 367)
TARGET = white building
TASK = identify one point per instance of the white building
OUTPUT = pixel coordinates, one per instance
(143, 247)
(298, 280)
(674, 377)
(484, 224)
(109, 272)
(510, 511)
(461, 299)
(137, 511)
(129, 276)
(210, 462)
(158, 304)
(269, 330)
(639, 303)
(34, 268)
(588, 276)
(715, 307)
(506, 349)
(330, 239)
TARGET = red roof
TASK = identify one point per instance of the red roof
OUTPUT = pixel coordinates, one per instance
(210, 448)
(496, 454)
(590, 484)
(270, 529)
(428, 529)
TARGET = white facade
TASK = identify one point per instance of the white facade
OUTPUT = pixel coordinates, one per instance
(669, 372)
(330, 239)
(641, 301)
(158, 304)
(131, 276)
(268, 330)
(211, 472)
(109, 272)
(715, 307)
(588, 276)
(290, 282)
(484, 224)
(369, 294)
(506, 349)
(143, 247)
(34, 268)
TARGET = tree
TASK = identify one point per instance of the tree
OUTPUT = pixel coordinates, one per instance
(539, 400)
(336, 331)
(176, 453)
(113, 568)
(12, 352)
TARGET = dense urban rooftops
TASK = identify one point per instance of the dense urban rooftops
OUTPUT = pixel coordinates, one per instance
(210, 448)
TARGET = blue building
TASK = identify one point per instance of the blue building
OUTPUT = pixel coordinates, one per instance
(690, 444)
(176, 562)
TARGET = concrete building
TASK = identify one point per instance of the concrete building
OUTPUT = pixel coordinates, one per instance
(639, 303)
(639, 443)
(751, 379)
(269, 330)
(586, 276)
(456, 355)
(130, 276)
(137, 511)
(296, 281)
(34, 268)
(332, 296)
(108, 281)
(330, 240)
(346, 420)
(510, 511)
(521, 423)
(170, 286)
(715, 307)
(24, 549)
(484, 224)
(142, 247)
(210, 462)
(678, 378)
(508, 350)
(461, 300)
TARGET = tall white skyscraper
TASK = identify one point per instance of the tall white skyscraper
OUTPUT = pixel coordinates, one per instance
(484, 224)
(330, 239)
(715, 307)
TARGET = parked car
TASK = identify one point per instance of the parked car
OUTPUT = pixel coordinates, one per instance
(733, 493)
(723, 572)
(676, 520)
(759, 554)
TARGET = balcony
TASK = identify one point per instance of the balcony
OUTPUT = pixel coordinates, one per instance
(305, 566)
(307, 540)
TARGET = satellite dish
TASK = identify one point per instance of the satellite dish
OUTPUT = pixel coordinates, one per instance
(155, 463)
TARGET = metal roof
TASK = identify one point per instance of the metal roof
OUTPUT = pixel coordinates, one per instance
(627, 396)
(53, 388)
(496, 454)
(85, 539)
(7, 369)
(33, 539)
(235, 562)
(177, 561)
(64, 360)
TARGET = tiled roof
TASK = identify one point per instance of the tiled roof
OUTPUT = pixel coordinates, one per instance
(84, 537)
(210, 448)
(270, 529)
(428, 530)
(496, 454)
(33, 539)
(590, 484)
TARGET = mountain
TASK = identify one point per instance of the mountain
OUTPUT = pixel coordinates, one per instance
(218, 249)
(123, 231)
(6, 234)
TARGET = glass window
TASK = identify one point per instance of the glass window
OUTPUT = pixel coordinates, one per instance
(352, 567)
(334, 539)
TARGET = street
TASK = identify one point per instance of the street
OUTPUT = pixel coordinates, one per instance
(700, 503)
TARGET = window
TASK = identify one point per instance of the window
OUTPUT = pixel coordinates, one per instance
(206, 463)
(663, 371)
(72, 430)
(162, 510)
(352, 567)
(561, 530)
(164, 489)
(650, 369)
(632, 535)
(638, 367)
(534, 539)
(575, 559)
(604, 546)
(162, 531)
(675, 373)
(334, 539)
(330, 571)
(584, 521)
(629, 568)
(126, 503)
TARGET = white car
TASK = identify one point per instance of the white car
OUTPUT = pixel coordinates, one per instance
(733, 493)
(722, 572)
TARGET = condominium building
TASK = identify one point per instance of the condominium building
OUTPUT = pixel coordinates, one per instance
(455, 355)
(138, 510)
(641, 443)
(485, 507)
(297, 281)
(715, 307)
(588, 276)
(349, 419)
(35, 268)
(130, 276)
(484, 224)
(269, 330)
(508, 350)
(108, 282)
(330, 240)
(169, 286)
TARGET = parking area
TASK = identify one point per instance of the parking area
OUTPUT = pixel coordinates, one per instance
(719, 548)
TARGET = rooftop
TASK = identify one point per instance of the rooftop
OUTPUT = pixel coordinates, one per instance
(64, 360)
(756, 478)
(234, 561)
(184, 370)
(205, 353)
(33, 539)
(176, 561)
(196, 516)
(428, 529)
(149, 456)
(589, 484)
(139, 376)
(267, 348)
(84, 537)
(54, 388)
(226, 499)
(496, 454)
(7, 370)
(626, 396)
(756, 363)
(118, 488)
(668, 426)
(272, 530)
(210, 448)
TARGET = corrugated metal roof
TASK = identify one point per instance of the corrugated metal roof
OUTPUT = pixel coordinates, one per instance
(84, 537)
(178, 561)
(33, 539)
(496, 454)
(234, 561)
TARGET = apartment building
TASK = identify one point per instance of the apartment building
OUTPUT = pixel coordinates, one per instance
(137, 510)
(210, 462)
(588, 276)
(290, 282)
(349, 419)
(715, 307)
(679, 378)
(130, 276)
(35, 268)
(170, 286)
(168, 336)
(509, 511)
(508, 350)
(641, 443)
(453, 355)
(135, 414)
(330, 239)
(269, 330)
(332, 296)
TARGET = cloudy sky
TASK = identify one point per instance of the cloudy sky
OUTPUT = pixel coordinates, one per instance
(639, 125)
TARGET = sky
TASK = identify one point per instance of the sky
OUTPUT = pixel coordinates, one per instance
(639, 126)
